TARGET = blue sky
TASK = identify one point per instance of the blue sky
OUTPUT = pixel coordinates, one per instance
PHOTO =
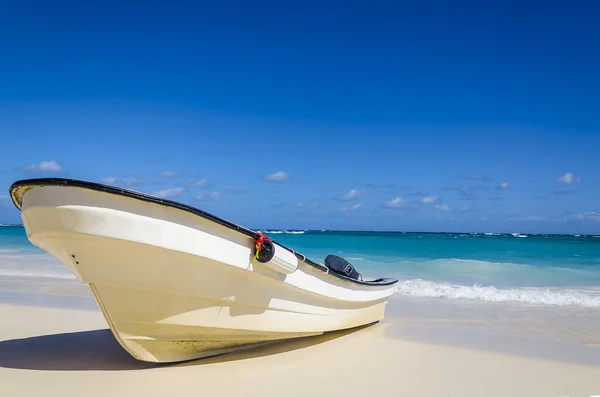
(430, 116)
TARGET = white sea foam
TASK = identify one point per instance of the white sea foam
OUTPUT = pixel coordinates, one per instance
(14, 263)
(10, 250)
(285, 231)
(519, 235)
(37, 273)
(588, 297)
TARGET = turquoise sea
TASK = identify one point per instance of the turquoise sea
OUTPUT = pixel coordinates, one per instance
(561, 270)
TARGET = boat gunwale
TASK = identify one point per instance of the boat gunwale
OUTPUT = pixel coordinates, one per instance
(66, 182)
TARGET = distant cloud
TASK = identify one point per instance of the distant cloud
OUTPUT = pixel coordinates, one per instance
(122, 182)
(306, 205)
(279, 176)
(466, 192)
(430, 199)
(111, 180)
(540, 198)
(196, 183)
(495, 198)
(214, 196)
(418, 194)
(351, 208)
(43, 166)
(483, 219)
(165, 193)
(4, 196)
(527, 218)
(569, 178)
(537, 218)
(443, 207)
(232, 189)
(352, 194)
(586, 216)
(396, 202)
(167, 174)
(503, 185)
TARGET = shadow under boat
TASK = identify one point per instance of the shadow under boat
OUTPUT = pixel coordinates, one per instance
(98, 350)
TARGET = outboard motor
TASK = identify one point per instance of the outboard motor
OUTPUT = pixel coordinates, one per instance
(341, 266)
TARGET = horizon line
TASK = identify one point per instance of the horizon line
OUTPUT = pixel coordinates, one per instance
(267, 230)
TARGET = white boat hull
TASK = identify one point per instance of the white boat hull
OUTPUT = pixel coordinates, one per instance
(176, 286)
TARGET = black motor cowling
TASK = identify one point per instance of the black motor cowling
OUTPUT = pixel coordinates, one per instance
(341, 266)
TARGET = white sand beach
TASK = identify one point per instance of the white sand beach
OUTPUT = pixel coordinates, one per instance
(54, 342)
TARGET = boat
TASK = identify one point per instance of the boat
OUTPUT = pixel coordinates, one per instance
(176, 283)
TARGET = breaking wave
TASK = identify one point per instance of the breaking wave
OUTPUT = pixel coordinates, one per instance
(588, 297)
(284, 231)
(13, 263)
(37, 273)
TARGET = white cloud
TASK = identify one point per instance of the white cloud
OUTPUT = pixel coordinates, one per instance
(215, 196)
(232, 189)
(112, 180)
(197, 183)
(569, 178)
(173, 192)
(504, 185)
(44, 166)
(529, 218)
(396, 202)
(587, 216)
(352, 194)
(306, 205)
(536, 218)
(429, 199)
(351, 208)
(128, 181)
(109, 179)
(4, 196)
(50, 166)
(483, 219)
(279, 176)
(167, 174)
(442, 207)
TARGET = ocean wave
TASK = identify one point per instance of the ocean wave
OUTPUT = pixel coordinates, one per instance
(37, 273)
(284, 231)
(543, 296)
(23, 263)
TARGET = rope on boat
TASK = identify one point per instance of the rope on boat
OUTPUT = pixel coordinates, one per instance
(262, 239)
